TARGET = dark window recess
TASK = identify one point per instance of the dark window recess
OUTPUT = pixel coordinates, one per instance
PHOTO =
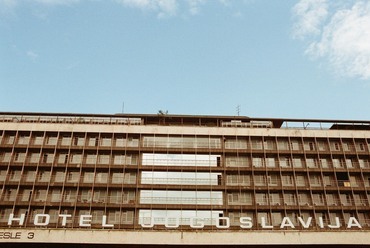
(343, 179)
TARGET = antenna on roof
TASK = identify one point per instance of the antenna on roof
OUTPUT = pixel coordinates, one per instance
(238, 109)
(123, 107)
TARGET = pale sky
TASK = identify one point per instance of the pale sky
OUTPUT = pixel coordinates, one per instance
(289, 59)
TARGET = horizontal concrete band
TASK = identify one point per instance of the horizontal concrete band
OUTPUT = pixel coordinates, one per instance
(188, 238)
(184, 130)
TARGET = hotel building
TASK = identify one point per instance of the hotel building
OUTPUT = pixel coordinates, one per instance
(130, 179)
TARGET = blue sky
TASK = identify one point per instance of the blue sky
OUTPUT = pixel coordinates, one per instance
(293, 59)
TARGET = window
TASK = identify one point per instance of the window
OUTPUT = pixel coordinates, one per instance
(76, 158)
(100, 196)
(236, 144)
(260, 180)
(5, 157)
(127, 217)
(180, 160)
(93, 141)
(283, 145)
(256, 144)
(10, 194)
(101, 177)
(47, 158)
(9, 140)
(304, 199)
(128, 197)
(120, 142)
(34, 157)
(287, 180)
(270, 162)
(239, 198)
(63, 158)
(309, 146)
(66, 141)
(275, 199)
(70, 195)
(180, 178)
(335, 146)
(257, 162)
(269, 144)
(315, 180)
(19, 157)
(115, 196)
(311, 163)
(59, 176)
(130, 178)
(73, 177)
(243, 180)
(117, 177)
(44, 176)
(324, 163)
(106, 141)
(332, 199)
(23, 139)
(103, 158)
(273, 180)
(88, 177)
(322, 145)
(300, 180)
(364, 163)
(360, 146)
(181, 197)
(329, 180)
(15, 175)
(97, 216)
(285, 162)
(338, 163)
(38, 140)
(78, 141)
(3, 174)
(290, 199)
(40, 195)
(90, 158)
(297, 163)
(346, 199)
(26, 195)
(261, 199)
(51, 140)
(347, 146)
(236, 161)
(86, 195)
(30, 176)
(294, 145)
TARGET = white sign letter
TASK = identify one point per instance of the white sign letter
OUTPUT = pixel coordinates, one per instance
(85, 219)
(352, 221)
(286, 222)
(150, 225)
(104, 221)
(175, 225)
(264, 224)
(337, 223)
(305, 224)
(41, 216)
(246, 222)
(220, 219)
(20, 219)
(200, 224)
(64, 218)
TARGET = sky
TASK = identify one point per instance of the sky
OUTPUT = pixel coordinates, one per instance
(257, 58)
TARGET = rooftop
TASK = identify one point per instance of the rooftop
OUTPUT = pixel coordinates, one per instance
(183, 120)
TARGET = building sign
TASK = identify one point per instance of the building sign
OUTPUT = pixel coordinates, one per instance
(195, 222)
